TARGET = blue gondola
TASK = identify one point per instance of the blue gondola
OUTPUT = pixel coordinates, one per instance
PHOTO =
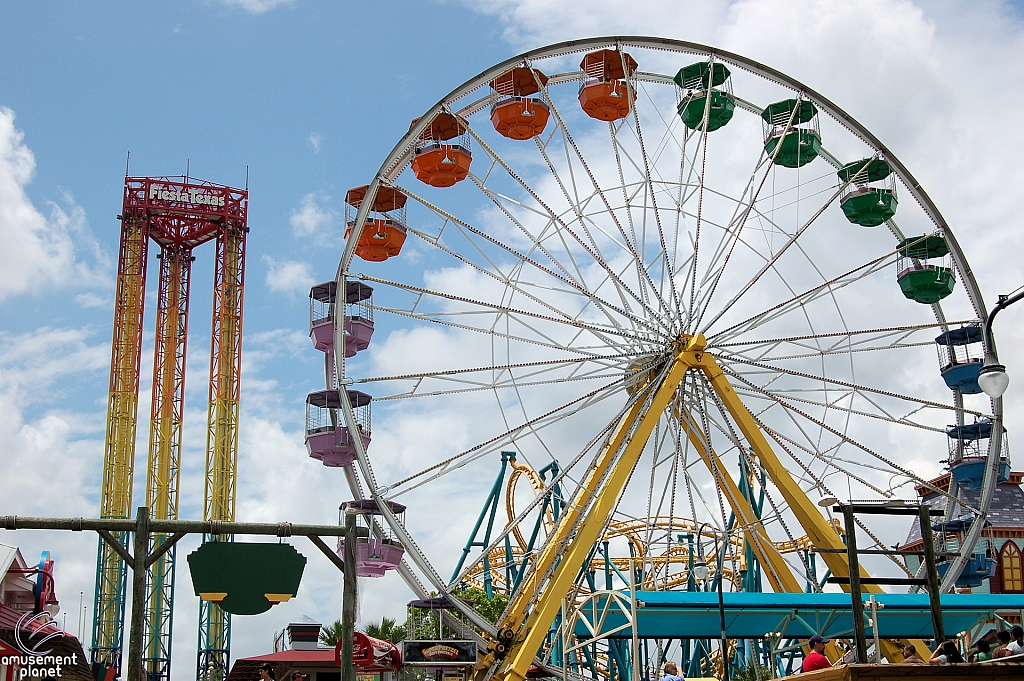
(960, 356)
(979, 567)
(968, 452)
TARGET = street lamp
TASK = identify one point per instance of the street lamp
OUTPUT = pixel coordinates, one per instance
(700, 569)
(701, 572)
(993, 379)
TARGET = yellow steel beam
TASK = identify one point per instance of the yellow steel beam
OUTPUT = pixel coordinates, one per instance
(122, 419)
(810, 518)
(163, 475)
(776, 570)
(585, 516)
(571, 544)
(821, 533)
(222, 429)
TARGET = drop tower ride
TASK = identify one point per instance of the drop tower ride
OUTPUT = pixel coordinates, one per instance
(178, 214)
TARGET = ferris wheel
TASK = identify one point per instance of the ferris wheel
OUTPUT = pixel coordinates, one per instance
(688, 295)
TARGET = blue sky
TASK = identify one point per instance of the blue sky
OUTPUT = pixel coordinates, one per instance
(310, 97)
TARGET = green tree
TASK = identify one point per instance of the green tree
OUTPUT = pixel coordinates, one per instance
(748, 673)
(388, 630)
(491, 608)
(330, 634)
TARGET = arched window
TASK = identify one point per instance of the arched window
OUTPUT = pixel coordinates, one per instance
(1010, 568)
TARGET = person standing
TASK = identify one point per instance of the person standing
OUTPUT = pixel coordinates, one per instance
(910, 655)
(671, 672)
(816, 658)
(267, 672)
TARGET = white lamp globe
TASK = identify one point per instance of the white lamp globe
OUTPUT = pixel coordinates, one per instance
(993, 380)
(700, 570)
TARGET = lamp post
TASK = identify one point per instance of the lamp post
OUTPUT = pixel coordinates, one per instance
(993, 379)
(700, 571)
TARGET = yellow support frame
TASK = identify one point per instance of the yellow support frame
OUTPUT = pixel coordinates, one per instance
(122, 421)
(538, 601)
(164, 473)
(222, 432)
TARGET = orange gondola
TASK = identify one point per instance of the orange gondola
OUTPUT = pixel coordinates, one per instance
(384, 230)
(437, 159)
(516, 114)
(604, 94)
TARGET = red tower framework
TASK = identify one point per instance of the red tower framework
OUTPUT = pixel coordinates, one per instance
(178, 214)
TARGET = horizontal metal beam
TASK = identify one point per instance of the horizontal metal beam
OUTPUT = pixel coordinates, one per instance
(885, 552)
(880, 509)
(283, 529)
(879, 580)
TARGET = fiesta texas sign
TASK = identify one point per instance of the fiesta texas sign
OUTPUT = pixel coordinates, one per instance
(197, 196)
(184, 198)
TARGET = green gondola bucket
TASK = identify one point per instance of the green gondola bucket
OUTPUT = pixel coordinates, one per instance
(246, 579)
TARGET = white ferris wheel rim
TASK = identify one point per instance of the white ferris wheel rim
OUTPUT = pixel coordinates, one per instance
(394, 165)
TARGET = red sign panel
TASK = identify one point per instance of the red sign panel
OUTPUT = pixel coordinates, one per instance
(184, 212)
(371, 654)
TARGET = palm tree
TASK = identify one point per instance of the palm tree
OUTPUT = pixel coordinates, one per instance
(330, 634)
(388, 630)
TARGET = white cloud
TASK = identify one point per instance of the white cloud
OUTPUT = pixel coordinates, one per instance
(913, 76)
(312, 217)
(39, 251)
(288, 276)
(89, 300)
(53, 447)
(257, 6)
(316, 142)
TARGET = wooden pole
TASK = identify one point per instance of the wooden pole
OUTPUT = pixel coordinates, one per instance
(348, 602)
(931, 574)
(856, 594)
(137, 617)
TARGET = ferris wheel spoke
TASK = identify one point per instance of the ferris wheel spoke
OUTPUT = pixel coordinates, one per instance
(574, 288)
(569, 142)
(893, 467)
(798, 301)
(637, 246)
(736, 233)
(858, 339)
(651, 192)
(792, 395)
(728, 232)
(561, 228)
(589, 351)
(860, 388)
(491, 445)
(492, 312)
(469, 387)
(553, 219)
(772, 262)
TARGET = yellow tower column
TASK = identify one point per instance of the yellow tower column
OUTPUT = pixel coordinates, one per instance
(163, 475)
(222, 432)
(119, 446)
